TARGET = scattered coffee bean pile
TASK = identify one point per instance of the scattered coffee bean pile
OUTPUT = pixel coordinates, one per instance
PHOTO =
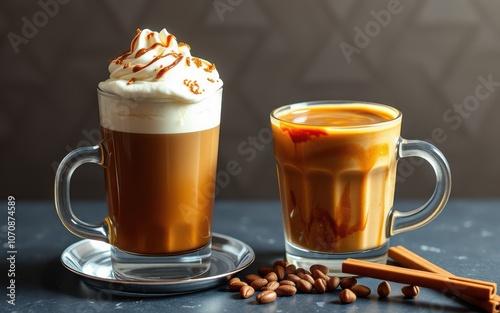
(285, 280)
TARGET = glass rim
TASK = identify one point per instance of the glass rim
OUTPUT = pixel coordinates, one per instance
(106, 93)
(397, 113)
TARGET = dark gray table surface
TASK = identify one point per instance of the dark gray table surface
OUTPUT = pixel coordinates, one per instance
(464, 239)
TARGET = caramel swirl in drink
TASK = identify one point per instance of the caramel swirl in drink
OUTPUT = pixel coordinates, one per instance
(336, 171)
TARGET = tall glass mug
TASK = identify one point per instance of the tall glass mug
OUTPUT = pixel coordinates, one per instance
(159, 158)
(336, 164)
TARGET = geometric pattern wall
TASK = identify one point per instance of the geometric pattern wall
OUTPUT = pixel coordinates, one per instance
(438, 61)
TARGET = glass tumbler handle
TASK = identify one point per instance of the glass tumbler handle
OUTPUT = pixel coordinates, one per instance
(77, 157)
(405, 221)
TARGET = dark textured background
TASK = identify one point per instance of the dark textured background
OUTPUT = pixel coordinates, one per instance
(430, 57)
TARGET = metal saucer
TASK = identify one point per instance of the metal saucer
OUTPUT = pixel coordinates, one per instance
(90, 259)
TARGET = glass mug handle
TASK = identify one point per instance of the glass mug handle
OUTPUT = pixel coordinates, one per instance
(405, 221)
(77, 157)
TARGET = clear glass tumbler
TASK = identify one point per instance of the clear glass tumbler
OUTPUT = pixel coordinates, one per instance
(336, 164)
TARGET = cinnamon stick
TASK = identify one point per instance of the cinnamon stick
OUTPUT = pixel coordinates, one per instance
(409, 259)
(453, 284)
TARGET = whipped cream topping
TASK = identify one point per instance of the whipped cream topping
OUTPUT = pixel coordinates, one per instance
(158, 66)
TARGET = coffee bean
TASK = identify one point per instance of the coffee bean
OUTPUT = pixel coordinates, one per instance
(280, 272)
(271, 276)
(348, 282)
(290, 269)
(347, 296)
(286, 290)
(246, 291)
(383, 289)
(333, 283)
(282, 263)
(266, 296)
(304, 286)
(302, 270)
(320, 285)
(272, 285)
(410, 292)
(236, 285)
(361, 291)
(319, 274)
(287, 282)
(259, 283)
(307, 277)
(293, 278)
(321, 268)
(251, 277)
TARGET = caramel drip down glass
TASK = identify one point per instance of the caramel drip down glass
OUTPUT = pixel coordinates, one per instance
(336, 164)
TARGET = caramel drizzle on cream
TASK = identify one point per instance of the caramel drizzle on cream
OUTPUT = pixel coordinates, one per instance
(119, 59)
(192, 85)
(167, 68)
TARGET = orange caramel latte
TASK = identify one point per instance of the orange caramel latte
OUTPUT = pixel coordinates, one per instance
(336, 166)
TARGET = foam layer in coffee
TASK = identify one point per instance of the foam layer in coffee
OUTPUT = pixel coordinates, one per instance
(159, 116)
(339, 116)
